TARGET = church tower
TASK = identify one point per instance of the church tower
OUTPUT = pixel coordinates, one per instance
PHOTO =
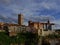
(20, 19)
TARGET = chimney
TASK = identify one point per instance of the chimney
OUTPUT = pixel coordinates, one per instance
(20, 19)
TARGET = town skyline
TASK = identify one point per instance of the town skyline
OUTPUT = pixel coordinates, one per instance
(37, 8)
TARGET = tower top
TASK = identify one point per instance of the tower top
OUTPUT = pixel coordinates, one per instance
(20, 19)
(20, 14)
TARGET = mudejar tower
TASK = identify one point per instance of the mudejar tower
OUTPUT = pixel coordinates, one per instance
(20, 19)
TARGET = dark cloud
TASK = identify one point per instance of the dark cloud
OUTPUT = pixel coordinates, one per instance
(7, 19)
(9, 9)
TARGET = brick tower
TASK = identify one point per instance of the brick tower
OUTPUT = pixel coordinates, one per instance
(20, 19)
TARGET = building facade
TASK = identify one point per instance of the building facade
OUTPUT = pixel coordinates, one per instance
(35, 27)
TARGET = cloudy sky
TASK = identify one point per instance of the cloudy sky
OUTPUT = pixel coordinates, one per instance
(36, 10)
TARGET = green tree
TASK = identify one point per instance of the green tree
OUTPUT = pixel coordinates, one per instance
(28, 38)
(4, 39)
(5, 27)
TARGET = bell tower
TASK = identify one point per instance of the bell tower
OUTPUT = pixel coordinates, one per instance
(20, 19)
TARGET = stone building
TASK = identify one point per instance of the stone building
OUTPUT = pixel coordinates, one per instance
(43, 28)
(35, 27)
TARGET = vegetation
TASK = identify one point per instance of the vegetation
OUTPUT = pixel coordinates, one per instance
(50, 37)
(4, 39)
(27, 38)
(53, 36)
